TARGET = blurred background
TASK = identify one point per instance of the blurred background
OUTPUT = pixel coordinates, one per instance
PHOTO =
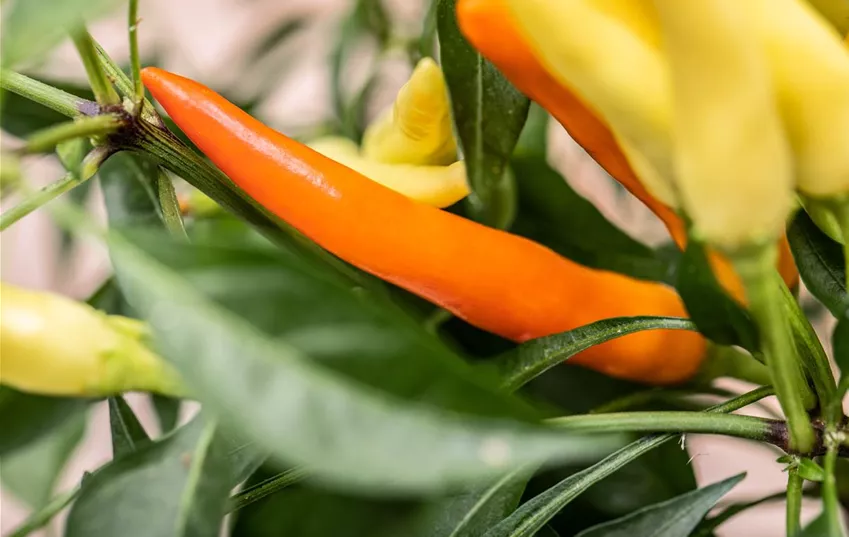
(278, 57)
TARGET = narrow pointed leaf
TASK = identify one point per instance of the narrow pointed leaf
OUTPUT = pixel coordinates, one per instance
(31, 473)
(673, 518)
(821, 263)
(533, 358)
(489, 114)
(348, 433)
(178, 486)
(472, 513)
(127, 433)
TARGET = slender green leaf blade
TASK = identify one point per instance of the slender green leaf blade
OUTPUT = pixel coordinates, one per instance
(673, 518)
(472, 513)
(821, 263)
(552, 213)
(533, 358)
(167, 411)
(128, 434)
(26, 417)
(178, 486)
(716, 314)
(534, 514)
(347, 433)
(31, 473)
(129, 191)
(489, 114)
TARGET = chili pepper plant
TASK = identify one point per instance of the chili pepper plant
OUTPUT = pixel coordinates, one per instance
(408, 323)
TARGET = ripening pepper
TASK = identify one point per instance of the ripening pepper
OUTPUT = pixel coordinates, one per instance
(416, 128)
(53, 345)
(734, 166)
(497, 281)
(491, 27)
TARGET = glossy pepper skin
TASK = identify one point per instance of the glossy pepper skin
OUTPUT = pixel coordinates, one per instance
(490, 28)
(497, 281)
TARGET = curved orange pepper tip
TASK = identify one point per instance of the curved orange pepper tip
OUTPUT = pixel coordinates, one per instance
(494, 280)
(489, 27)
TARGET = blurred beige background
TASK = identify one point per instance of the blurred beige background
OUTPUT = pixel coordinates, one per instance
(209, 40)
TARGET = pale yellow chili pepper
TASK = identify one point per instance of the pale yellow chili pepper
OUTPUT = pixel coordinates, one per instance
(416, 129)
(810, 68)
(52, 345)
(439, 186)
(733, 160)
(604, 51)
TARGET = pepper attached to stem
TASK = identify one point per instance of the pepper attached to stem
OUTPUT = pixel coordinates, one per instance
(494, 280)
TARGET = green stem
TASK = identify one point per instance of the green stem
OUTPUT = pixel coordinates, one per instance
(830, 497)
(755, 267)
(47, 139)
(43, 516)
(135, 63)
(266, 488)
(170, 205)
(46, 95)
(36, 200)
(794, 501)
(103, 91)
(124, 85)
(678, 422)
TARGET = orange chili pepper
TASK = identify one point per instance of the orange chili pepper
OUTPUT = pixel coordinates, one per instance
(489, 27)
(497, 281)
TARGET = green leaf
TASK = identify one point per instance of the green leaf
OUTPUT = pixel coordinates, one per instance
(715, 313)
(673, 518)
(26, 417)
(553, 214)
(821, 263)
(306, 511)
(533, 358)
(472, 513)
(347, 433)
(823, 526)
(128, 182)
(178, 486)
(127, 433)
(167, 411)
(811, 471)
(489, 114)
(31, 473)
(660, 474)
(31, 28)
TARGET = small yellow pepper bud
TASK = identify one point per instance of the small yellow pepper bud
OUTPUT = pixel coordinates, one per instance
(810, 69)
(734, 163)
(416, 129)
(439, 186)
(52, 345)
(606, 52)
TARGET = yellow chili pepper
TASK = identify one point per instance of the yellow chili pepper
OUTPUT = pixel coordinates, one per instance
(608, 57)
(734, 164)
(53, 345)
(416, 129)
(810, 69)
(439, 186)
